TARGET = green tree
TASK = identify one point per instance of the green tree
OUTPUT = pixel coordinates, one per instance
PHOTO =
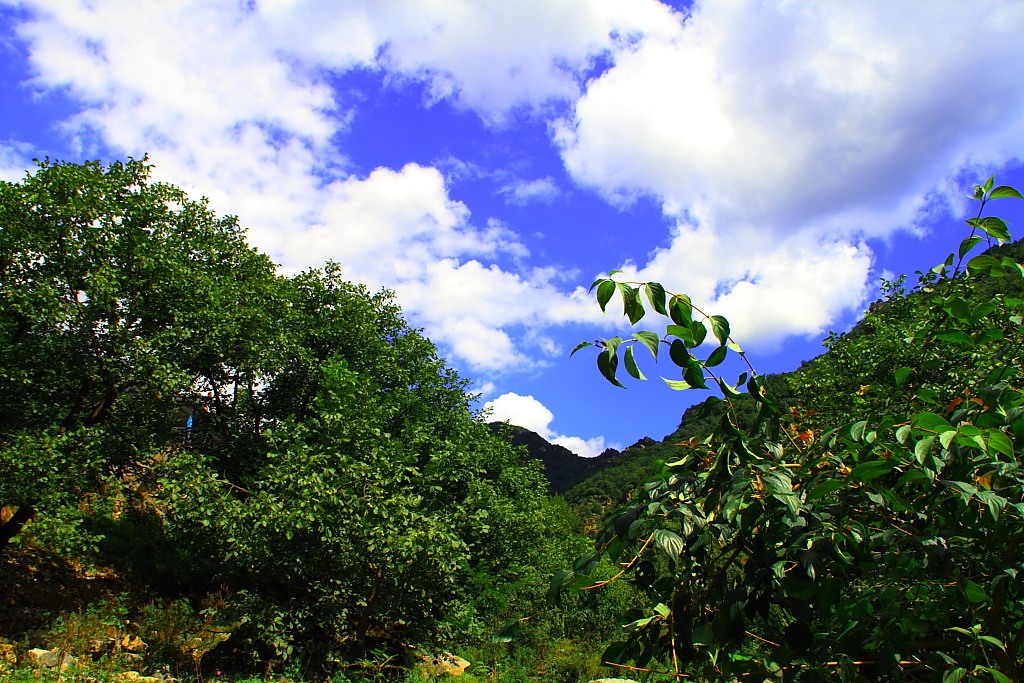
(887, 548)
(331, 474)
(117, 295)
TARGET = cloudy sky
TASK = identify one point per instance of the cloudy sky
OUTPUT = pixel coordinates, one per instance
(486, 159)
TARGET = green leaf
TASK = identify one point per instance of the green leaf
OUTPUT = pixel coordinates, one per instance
(1005, 191)
(680, 309)
(955, 336)
(720, 328)
(605, 289)
(507, 632)
(716, 357)
(996, 227)
(558, 582)
(581, 345)
(922, 448)
(957, 308)
(650, 340)
(632, 307)
(902, 374)
(969, 243)
(975, 593)
(607, 363)
(670, 542)
(677, 384)
(679, 354)
(903, 433)
(930, 423)
(631, 366)
(699, 333)
(694, 374)
(825, 488)
(873, 469)
(728, 390)
(656, 295)
(953, 675)
(997, 676)
(999, 442)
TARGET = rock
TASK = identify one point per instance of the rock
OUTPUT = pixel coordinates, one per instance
(445, 664)
(48, 659)
(132, 643)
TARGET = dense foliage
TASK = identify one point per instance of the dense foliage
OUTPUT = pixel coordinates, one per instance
(174, 408)
(870, 532)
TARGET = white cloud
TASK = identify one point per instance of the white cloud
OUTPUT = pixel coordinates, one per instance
(779, 135)
(529, 413)
(15, 160)
(525, 191)
(232, 103)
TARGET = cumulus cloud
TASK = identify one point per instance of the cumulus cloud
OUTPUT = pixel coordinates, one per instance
(779, 135)
(776, 136)
(234, 102)
(529, 413)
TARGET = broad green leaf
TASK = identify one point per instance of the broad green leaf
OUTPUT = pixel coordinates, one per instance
(957, 308)
(605, 289)
(656, 295)
(631, 366)
(581, 345)
(969, 243)
(694, 374)
(922, 448)
(670, 542)
(945, 438)
(728, 391)
(558, 582)
(677, 384)
(903, 433)
(953, 675)
(930, 423)
(716, 357)
(996, 227)
(720, 328)
(975, 593)
(650, 340)
(992, 640)
(507, 632)
(999, 442)
(997, 675)
(699, 332)
(632, 307)
(680, 309)
(679, 354)
(955, 336)
(1004, 191)
(680, 331)
(825, 488)
(607, 362)
(902, 374)
(873, 469)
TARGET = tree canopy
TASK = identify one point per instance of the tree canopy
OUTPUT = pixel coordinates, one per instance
(173, 404)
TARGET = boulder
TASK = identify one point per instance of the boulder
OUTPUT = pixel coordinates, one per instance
(48, 659)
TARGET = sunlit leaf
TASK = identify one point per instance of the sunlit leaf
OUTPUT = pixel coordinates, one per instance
(631, 366)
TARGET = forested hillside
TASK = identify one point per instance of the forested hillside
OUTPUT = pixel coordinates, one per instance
(861, 522)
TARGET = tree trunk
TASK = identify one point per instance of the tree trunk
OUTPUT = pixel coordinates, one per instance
(11, 527)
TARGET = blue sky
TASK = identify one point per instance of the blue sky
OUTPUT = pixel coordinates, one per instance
(487, 159)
